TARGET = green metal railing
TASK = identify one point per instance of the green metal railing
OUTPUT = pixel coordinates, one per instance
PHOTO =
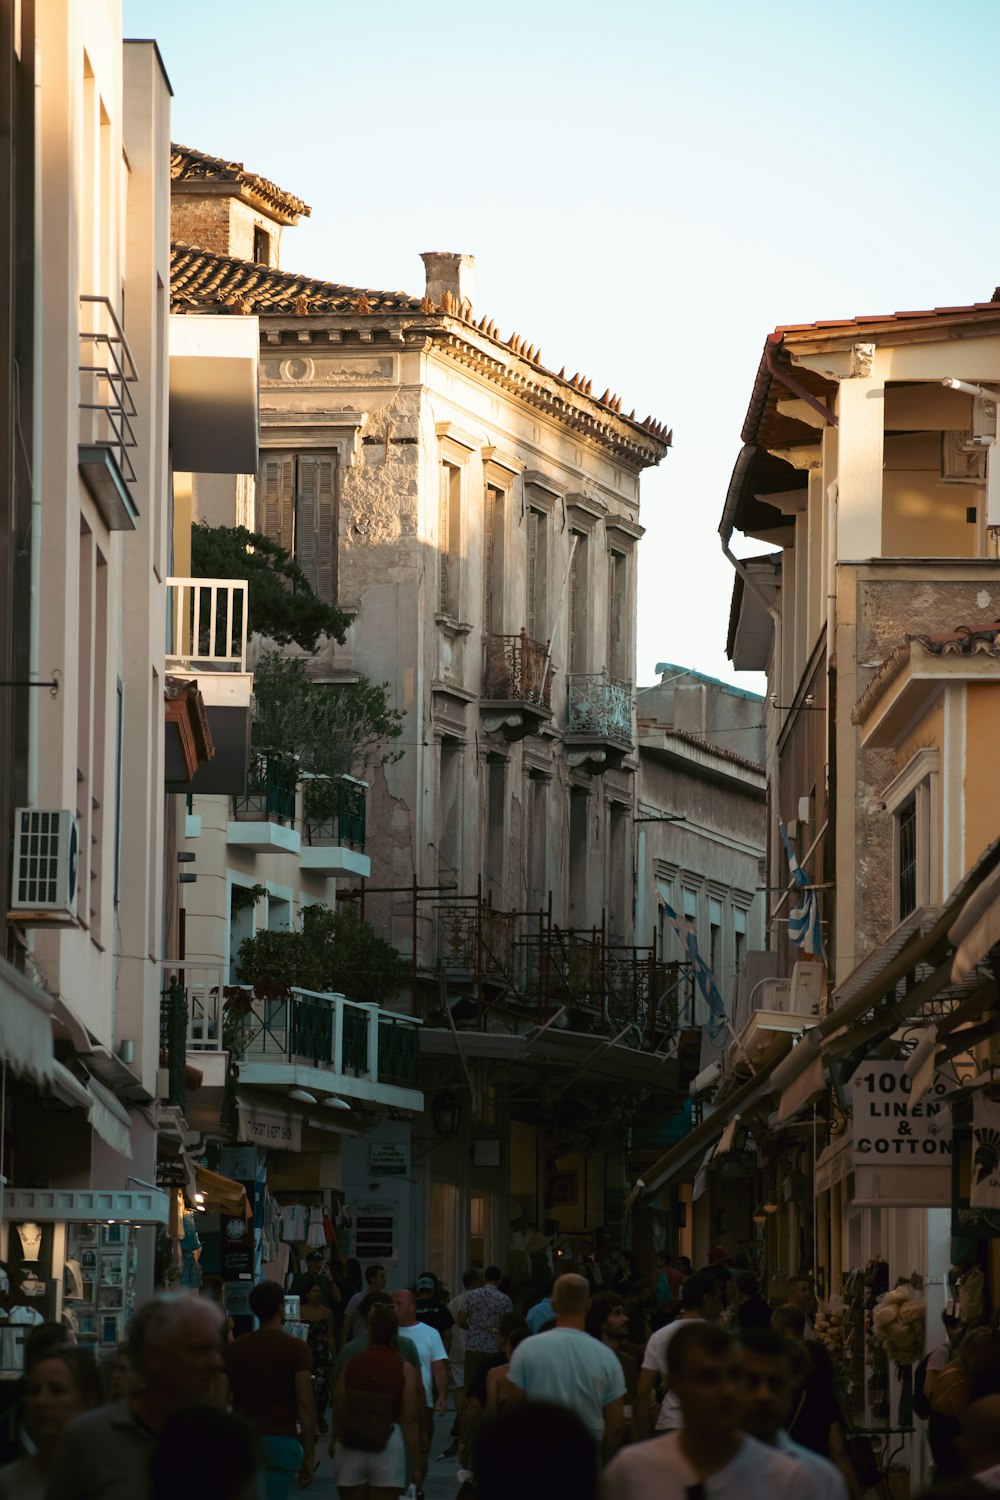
(270, 791)
(336, 813)
(398, 1050)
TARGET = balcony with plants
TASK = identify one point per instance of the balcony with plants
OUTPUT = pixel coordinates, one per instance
(517, 686)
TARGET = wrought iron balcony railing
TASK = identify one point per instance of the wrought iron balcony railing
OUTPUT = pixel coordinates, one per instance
(207, 624)
(270, 792)
(517, 670)
(336, 812)
(107, 369)
(599, 705)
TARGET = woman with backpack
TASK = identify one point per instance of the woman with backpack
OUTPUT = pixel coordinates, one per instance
(375, 1417)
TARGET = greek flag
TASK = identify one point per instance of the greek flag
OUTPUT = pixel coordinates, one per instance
(803, 919)
(717, 1019)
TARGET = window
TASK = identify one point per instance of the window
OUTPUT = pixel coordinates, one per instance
(449, 539)
(618, 662)
(449, 836)
(578, 858)
(537, 841)
(906, 879)
(496, 801)
(261, 246)
(910, 800)
(578, 602)
(493, 560)
(536, 620)
(619, 885)
(739, 938)
(297, 508)
(715, 937)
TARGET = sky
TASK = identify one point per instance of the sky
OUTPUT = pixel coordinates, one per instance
(648, 189)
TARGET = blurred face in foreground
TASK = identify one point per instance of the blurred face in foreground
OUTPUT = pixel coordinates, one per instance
(768, 1387)
(52, 1401)
(709, 1388)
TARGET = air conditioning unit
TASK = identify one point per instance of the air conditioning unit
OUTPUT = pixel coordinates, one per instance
(46, 855)
(807, 988)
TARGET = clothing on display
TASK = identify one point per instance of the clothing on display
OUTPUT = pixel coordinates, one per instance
(294, 1222)
(315, 1235)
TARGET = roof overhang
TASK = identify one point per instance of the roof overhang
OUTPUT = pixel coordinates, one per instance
(213, 393)
(600, 1060)
(907, 684)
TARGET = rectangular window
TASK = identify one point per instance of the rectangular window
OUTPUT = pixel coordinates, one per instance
(906, 823)
(261, 246)
(618, 662)
(537, 842)
(493, 560)
(715, 936)
(690, 906)
(449, 539)
(578, 605)
(297, 507)
(739, 938)
(449, 841)
(578, 858)
(618, 881)
(496, 801)
(536, 622)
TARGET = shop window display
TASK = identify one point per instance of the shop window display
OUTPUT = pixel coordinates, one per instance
(99, 1281)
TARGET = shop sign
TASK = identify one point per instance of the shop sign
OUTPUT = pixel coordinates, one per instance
(387, 1159)
(888, 1128)
(375, 1230)
(240, 1163)
(975, 1220)
(268, 1127)
(236, 1247)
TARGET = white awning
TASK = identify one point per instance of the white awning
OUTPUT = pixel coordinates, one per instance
(976, 929)
(25, 1025)
(812, 1081)
(109, 1118)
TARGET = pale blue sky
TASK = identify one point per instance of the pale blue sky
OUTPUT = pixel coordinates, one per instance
(648, 190)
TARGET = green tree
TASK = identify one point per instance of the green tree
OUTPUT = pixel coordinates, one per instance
(334, 953)
(281, 605)
(331, 729)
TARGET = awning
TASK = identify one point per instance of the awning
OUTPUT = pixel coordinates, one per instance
(109, 1118)
(813, 1080)
(976, 928)
(594, 1059)
(25, 1025)
(701, 1137)
(222, 1194)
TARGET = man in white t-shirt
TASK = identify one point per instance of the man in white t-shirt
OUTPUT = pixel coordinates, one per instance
(708, 1456)
(430, 1347)
(568, 1368)
(701, 1302)
(769, 1380)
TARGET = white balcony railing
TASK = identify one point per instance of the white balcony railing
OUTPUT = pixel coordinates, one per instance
(207, 624)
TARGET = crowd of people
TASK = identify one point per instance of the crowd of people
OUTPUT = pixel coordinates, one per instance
(688, 1386)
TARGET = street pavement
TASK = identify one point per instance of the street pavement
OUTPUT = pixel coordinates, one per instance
(442, 1478)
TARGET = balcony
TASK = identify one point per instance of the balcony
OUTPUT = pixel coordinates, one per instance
(207, 644)
(517, 687)
(334, 828)
(598, 721)
(323, 1043)
(107, 437)
(263, 818)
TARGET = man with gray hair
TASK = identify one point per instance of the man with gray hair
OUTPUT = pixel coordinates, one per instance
(175, 1345)
(568, 1368)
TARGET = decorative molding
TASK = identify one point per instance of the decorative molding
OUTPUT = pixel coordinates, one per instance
(624, 527)
(452, 628)
(500, 469)
(584, 511)
(453, 443)
(925, 764)
(540, 481)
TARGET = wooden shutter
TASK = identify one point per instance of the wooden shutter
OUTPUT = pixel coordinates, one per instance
(575, 642)
(493, 560)
(316, 523)
(277, 497)
(532, 626)
(444, 496)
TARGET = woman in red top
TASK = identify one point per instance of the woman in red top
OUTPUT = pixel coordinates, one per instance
(358, 1473)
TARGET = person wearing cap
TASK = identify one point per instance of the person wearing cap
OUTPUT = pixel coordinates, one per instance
(480, 1315)
(316, 1273)
(431, 1309)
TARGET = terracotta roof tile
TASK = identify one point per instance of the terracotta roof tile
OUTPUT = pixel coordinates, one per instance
(201, 281)
(188, 165)
(861, 321)
(706, 744)
(964, 640)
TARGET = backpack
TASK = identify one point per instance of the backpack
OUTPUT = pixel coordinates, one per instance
(368, 1413)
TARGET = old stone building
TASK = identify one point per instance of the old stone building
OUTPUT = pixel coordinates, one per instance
(477, 516)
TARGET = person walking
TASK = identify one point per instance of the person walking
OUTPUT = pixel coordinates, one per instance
(707, 1455)
(270, 1376)
(607, 1320)
(543, 1312)
(701, 1302)
(374, 1282)
(456, 1356)
(61, 1385)
(175, 1343)
(480, 1315)
(316, 1273)
(433, 1356)
(432, 1307)
(770, 1386)
(364, 1467)
(321, 1342)
(799, 1293)
(568, 1368)
(749, 1308)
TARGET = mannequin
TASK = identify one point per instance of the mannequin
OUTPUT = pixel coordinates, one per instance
(30, 1236)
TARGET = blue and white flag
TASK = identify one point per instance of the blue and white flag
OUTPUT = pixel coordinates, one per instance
(803, 919)
(684, 928)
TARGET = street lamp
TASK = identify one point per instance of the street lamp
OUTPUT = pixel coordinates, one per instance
(444, 1113)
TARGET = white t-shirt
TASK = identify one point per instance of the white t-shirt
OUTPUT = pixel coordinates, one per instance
(655, 1358)
(569, 1368)
(658, 1470)
(826, 1479)
(430, 1348)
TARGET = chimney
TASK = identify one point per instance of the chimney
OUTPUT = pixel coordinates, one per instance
(450, 276)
